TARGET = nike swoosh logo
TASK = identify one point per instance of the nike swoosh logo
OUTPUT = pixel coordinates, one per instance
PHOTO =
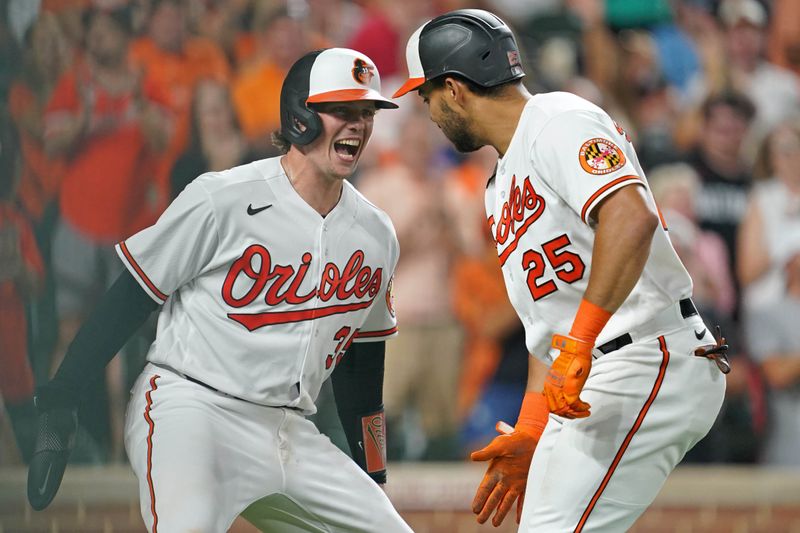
(46, 477)
(253, 211)
(700, 335)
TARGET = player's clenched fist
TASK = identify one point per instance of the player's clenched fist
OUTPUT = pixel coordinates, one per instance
(564, 381)
(510, 454)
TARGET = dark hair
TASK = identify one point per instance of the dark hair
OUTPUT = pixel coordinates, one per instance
(738, 102)
(280, 142)
(194, 133)
(122, 16)
(488, 92)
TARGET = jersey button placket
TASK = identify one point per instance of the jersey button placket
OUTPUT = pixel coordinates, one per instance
(323, 246)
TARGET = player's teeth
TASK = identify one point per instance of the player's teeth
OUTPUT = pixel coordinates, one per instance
(351, 142)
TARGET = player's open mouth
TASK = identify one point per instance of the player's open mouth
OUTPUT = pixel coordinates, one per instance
(347, 149)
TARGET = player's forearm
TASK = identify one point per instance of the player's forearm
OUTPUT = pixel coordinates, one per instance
(358, 389)
(121, 311)
(537, 371)
(625, 229)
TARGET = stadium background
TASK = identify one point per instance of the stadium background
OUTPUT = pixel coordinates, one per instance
(707, 90)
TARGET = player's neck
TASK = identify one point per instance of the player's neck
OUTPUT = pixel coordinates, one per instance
(321, 193)
(500, 117)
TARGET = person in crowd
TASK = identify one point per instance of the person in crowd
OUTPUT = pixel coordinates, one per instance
(175, 59)
(692, 47)
(774, 91)
(769, 271)
(45, 58)
(225, 22)
(574, 27)
(719, 161)
(647, 98)
(422, 364)
(495, 365)
(676, 188)
(736, 434)
(216, 142)
(280, 38)
(110, 122)
(380, 33)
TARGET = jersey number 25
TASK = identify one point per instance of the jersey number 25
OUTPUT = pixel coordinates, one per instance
(568, 266)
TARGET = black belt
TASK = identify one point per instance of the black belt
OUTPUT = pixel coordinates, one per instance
(190, 378)
(687, 309)
(209, 387)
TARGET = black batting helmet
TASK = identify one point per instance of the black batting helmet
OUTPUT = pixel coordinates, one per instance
(472, 43)
(330, 75)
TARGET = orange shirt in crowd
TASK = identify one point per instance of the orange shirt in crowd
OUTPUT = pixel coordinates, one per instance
(257, 98)
(41, 175)
(244, 48)
(16, 378)
(201, 58)
(108, 188)
(478, 292)
(480, 299)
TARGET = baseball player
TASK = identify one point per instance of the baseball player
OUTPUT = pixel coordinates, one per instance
(616, 394)
(271, 276)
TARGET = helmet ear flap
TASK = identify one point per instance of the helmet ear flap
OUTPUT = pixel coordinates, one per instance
(299, 124)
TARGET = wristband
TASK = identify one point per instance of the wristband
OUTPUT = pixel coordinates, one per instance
(373, 439)
(533, 414)
(589, 321)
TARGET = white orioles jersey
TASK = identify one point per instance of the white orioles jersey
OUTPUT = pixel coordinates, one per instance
(261, 295)
(565, 156)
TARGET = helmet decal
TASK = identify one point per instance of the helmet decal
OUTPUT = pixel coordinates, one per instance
(362, 71)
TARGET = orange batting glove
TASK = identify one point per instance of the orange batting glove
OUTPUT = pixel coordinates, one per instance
(510, 454)
(567, 375)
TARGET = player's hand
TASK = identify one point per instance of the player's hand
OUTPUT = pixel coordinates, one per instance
(567, 375)
(57, 426)
(510, 454)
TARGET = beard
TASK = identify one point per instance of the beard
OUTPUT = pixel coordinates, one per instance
(457, 129)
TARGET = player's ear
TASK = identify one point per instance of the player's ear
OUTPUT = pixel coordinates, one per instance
(455, 91)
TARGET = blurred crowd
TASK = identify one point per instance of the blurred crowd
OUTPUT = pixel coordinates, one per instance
(112, 106)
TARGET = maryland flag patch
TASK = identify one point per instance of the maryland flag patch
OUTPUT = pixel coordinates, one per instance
(600, 156)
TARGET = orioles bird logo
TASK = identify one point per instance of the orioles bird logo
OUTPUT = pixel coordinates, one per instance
(362, 71)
